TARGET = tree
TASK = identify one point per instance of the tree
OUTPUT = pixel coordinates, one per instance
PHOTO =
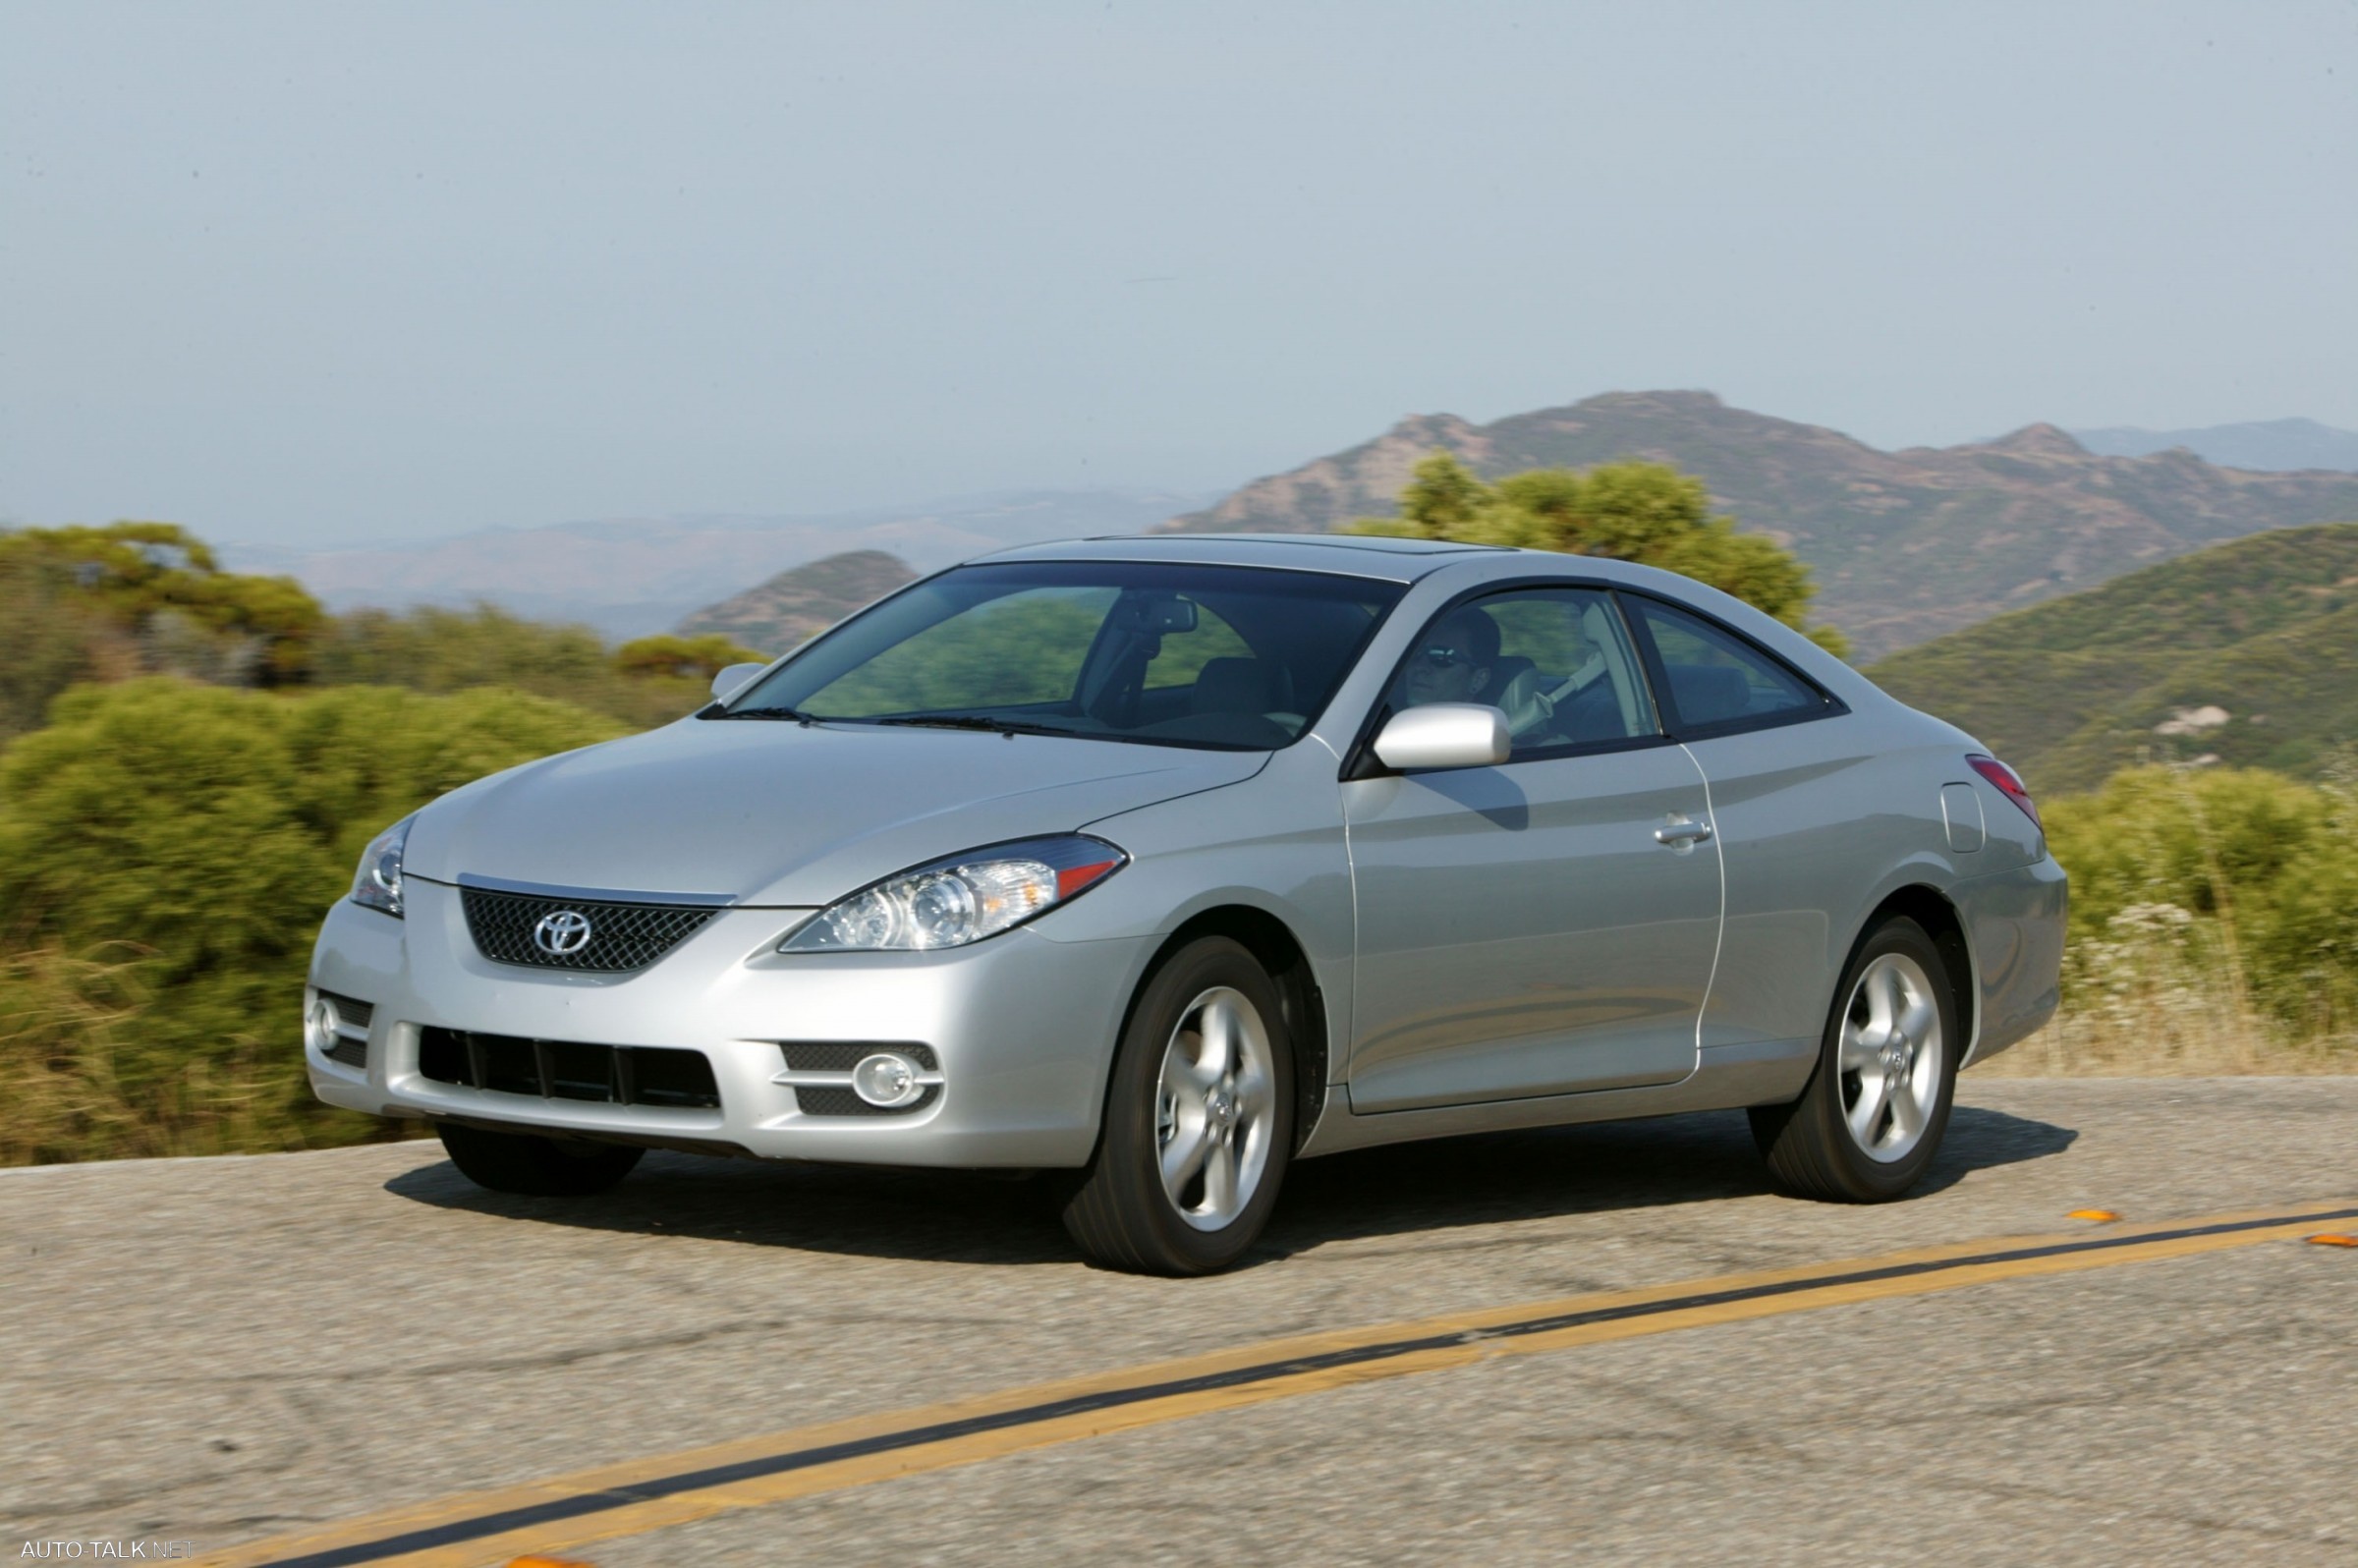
(161, 585)
(697, 657)
(1643, 512)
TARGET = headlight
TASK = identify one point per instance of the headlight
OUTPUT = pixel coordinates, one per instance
(377, 883)
(960, 899)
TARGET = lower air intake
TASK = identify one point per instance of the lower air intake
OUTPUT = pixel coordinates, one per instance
(550, 1069)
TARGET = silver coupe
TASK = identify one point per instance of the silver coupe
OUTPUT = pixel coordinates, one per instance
(1158, 864)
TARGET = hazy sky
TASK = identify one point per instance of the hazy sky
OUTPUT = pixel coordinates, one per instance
(319, 272)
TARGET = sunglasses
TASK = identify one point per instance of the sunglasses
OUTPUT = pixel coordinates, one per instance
(1445, 658)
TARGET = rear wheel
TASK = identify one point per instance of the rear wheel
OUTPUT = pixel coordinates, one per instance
(1871, 1120)
(545, 1167)
(1199, 1120)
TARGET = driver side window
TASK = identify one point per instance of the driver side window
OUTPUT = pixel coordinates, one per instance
(1559, 662)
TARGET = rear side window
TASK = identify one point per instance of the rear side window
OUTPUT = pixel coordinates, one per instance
(1712, 679)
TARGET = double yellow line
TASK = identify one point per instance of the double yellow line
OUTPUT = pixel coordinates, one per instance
(651, 1493)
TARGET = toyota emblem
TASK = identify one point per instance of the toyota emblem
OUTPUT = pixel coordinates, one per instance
(562, 933)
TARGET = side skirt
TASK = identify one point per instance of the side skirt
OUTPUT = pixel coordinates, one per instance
(1731, 1078)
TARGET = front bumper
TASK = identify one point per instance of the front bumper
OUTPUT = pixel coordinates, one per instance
(1023, 1027)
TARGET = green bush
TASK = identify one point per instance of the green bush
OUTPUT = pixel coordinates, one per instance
(48, 640)
(2252, 876)
(429, 648)
(160, 585)
(167, 850)
(696, 659)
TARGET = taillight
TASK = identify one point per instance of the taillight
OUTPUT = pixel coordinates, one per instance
(2008, 785)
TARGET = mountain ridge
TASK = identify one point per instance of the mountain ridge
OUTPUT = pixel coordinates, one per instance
(2267, 445)
(1904, 545)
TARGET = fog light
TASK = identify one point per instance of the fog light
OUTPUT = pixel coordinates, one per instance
(887, 1080)
(319, 1025)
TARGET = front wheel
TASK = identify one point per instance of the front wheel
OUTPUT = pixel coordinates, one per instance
(1199, 1120)
(1870, 1122)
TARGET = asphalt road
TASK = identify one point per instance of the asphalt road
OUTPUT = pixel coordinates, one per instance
(216, 1351)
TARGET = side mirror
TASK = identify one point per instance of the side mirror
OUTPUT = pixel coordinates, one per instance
(1444, 734)
(732, 678)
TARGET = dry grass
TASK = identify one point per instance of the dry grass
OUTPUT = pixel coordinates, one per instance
(2154, 1000)
(2077, 1046)
(72, 1087)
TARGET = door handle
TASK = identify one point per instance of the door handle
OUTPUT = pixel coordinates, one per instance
(1683, 834)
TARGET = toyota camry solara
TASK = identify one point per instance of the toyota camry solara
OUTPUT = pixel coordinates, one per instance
(1157, 865)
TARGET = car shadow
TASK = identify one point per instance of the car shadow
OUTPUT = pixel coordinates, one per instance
(1659, 1162)
(990, 1219)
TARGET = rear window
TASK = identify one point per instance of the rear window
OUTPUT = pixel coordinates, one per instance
(1716, 677)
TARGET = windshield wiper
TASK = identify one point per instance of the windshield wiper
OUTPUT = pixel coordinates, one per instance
(764, 714)
(972, 721)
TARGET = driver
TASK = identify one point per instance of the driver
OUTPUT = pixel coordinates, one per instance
(1452, 662)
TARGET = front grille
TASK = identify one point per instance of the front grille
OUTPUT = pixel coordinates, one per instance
(554, 1069)
(622, 936)
(841, 1057)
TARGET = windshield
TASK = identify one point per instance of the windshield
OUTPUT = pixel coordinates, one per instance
(1227, 656)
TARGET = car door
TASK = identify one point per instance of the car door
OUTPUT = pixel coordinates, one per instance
(1548, 924)
(1807, 810)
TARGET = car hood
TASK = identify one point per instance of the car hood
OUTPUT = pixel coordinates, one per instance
(777, 814)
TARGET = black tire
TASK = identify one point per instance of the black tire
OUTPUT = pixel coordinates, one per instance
(1809, 1144)
(1119, 1210)
(544, 1167)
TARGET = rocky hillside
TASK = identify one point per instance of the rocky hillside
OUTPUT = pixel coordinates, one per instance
(2244, 653)
(798, 604)
(1906, 545)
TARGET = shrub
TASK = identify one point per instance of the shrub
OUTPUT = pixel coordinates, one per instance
(2243, 882)
(166, 853)
(429, 648)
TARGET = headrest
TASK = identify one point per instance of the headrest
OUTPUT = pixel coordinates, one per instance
(1710, 693)
(1518, 698)
(1504, 671)
(1231, 685)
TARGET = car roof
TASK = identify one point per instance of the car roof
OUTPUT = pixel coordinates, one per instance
(1393, 560)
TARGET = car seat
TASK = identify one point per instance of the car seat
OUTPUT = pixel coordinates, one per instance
(1514, 690)
(1231, 685)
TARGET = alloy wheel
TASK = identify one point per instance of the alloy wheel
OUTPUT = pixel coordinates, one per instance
(1890, 1057)
(1215, 1108)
